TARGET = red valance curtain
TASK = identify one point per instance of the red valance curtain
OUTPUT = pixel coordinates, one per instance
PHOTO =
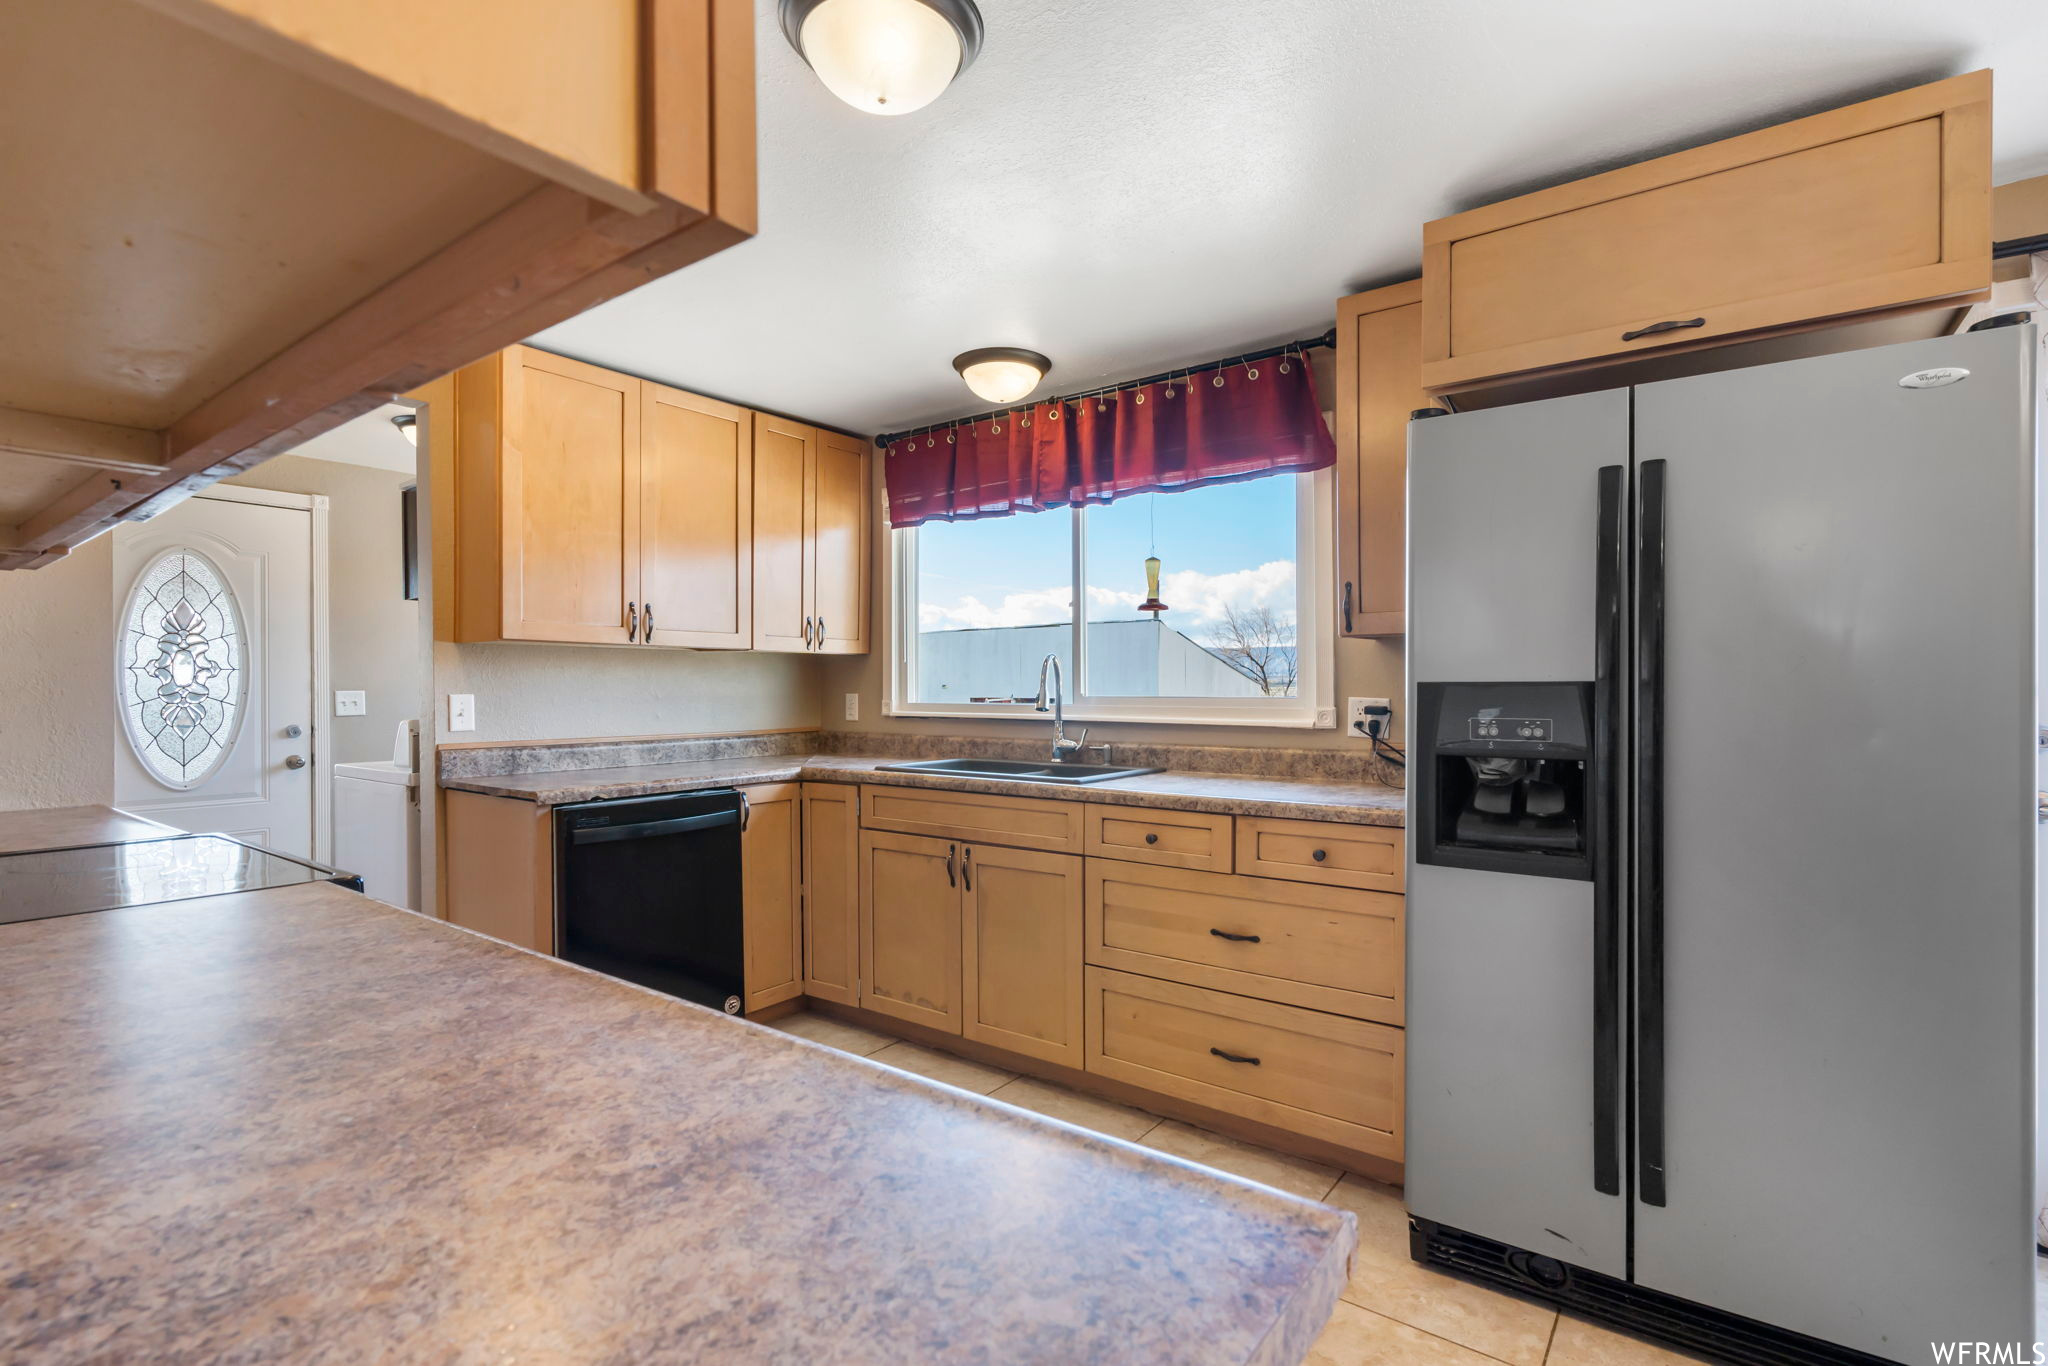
(1215, 426)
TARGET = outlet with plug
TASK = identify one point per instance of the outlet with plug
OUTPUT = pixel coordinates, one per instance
(1369, 718)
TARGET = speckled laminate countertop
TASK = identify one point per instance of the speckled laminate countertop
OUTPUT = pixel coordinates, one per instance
(300, 1125)
(1236, 794)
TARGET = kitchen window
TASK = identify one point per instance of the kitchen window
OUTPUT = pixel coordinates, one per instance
(1239, 637)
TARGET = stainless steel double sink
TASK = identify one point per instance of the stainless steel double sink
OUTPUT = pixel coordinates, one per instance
(1018, 770)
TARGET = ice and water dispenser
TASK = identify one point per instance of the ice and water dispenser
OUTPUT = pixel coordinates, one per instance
(1502, 773)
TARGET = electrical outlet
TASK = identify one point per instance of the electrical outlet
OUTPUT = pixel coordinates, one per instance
(1369, 718)
(461, 711)
(853, 706)
(351, 702)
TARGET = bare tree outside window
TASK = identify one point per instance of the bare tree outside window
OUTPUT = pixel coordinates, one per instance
(1259, 643)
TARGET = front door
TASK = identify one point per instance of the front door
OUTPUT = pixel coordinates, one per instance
(213, 603)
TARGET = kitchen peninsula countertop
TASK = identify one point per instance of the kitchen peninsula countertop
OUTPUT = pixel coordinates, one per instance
(1235, 794)
(299, 1124)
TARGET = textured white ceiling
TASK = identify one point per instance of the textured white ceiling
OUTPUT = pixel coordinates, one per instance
(1127, 185)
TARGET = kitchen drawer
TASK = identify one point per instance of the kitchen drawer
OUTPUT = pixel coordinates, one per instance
(1339, 855)
(1877, 206)
(977, 817)
(1326, 948)
(1313, 1074)
(1177, 839)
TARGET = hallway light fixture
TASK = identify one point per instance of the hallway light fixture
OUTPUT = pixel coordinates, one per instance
(1002, 374)
(408, 425)
(884, 56)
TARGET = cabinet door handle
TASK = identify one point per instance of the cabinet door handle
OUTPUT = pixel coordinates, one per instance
(1347, 607)
(1151, 839)
(746, 813)
(1319, 855)
(967, 867)
(1668, 325)
(952, 850)
(1234, 1057)
(821, 633)
(1235, 938)
(632, 622)
(647, 624)
(807, 633)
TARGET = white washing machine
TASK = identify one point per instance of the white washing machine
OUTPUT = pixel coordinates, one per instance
(376, 829)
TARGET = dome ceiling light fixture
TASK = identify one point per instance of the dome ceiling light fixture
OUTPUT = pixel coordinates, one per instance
(884, 56)
(408, 425)
(1002, 374)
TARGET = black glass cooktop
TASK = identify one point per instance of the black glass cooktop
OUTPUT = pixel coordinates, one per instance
(43, 883)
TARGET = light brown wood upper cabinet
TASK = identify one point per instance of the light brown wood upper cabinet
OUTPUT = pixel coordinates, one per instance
(770, 869)
(783, 460)
(831, 835)
(696, 520)
(812, 515)
(1876, 207)
(1379, 384)
(463, 174)
(548, 499)
(595, 508)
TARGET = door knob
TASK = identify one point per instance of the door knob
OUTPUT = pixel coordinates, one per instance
(294, 761)
(292, 732)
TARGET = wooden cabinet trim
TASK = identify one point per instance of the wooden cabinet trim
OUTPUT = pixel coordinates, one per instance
(1318, 947)
(1188, 1022)
(1052, 825)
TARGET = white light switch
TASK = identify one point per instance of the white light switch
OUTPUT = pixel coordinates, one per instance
(461, 711)
(351, 702)
(853, 706)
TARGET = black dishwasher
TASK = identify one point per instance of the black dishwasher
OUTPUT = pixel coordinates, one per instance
(648, 889)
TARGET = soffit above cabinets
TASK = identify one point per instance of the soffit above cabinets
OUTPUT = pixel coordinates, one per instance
(1132, 186)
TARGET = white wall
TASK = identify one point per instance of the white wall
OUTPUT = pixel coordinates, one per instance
(57, 718)
(572, 692)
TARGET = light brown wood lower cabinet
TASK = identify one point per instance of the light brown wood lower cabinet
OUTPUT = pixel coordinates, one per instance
(1019, 822)
(1315, 1074)
(1326, 948)
(500, 873)
(1370, 857)
(772, 895)
(910, 928)
(831, 881)
(1021, 951)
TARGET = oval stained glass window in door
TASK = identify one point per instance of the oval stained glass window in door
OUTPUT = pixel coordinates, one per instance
(183, 668)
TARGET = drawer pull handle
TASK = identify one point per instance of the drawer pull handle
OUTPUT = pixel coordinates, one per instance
(1235, 938)
(1319, 855)
(1234, 1057)
(1151, 839)
(1668, 325)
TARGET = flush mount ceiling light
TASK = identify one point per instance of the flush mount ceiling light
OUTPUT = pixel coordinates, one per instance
(1001, 374)
(884, 56)
(408, 425)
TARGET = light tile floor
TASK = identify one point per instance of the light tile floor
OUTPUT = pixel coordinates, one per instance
(1393, 1312)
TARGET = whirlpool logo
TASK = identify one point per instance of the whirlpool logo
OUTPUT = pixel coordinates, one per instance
(1935, 378)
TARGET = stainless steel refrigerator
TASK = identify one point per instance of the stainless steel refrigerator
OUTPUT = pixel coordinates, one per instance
(1721, 870)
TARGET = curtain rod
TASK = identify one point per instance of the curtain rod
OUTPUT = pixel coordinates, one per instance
(1328, 338)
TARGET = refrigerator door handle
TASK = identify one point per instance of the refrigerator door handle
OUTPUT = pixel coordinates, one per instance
(1610, 574)
(1649, 851)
